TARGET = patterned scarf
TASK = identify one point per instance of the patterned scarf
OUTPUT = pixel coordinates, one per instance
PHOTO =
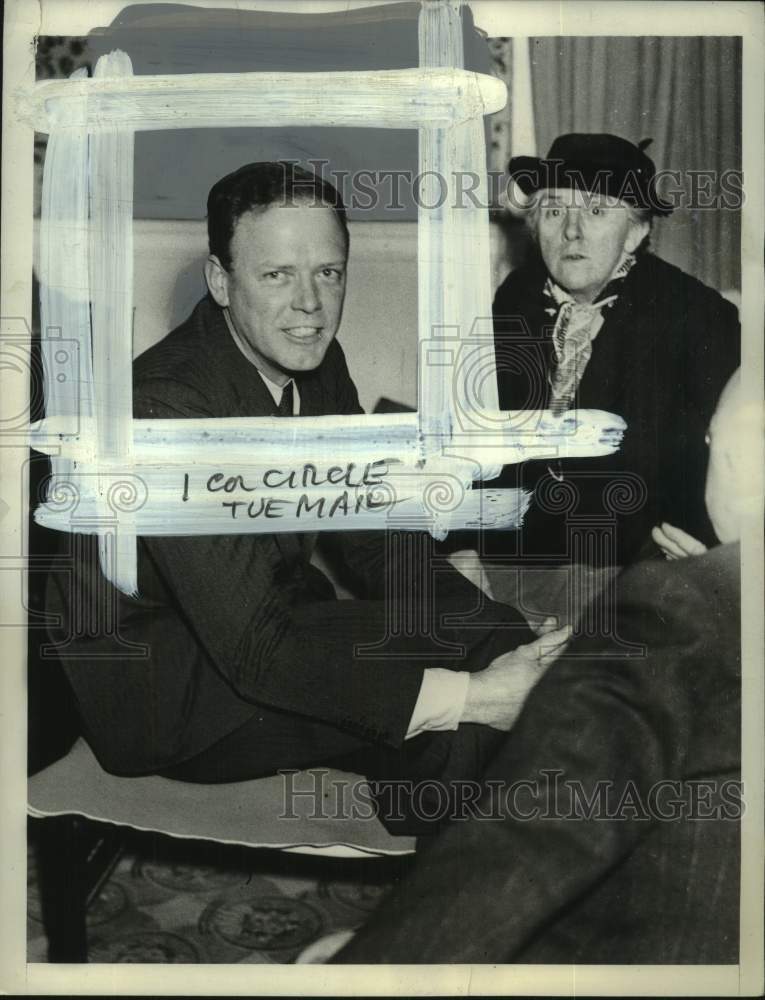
(576, 327)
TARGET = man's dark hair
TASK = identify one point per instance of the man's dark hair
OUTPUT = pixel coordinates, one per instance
(259, 186)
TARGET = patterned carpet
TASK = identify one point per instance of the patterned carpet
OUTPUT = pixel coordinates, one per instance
(174, 901)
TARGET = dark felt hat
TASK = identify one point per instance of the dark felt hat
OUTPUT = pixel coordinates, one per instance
(599, 163)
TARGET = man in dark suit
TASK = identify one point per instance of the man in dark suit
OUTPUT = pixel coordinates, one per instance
(596, 320)
(607, 830)
(250, 662)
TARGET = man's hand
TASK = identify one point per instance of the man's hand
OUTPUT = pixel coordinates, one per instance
(496, 695)
(676, 543)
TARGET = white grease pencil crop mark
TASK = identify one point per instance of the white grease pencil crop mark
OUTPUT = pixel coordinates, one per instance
(118, 477)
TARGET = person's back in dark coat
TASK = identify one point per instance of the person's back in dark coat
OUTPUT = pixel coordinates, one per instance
(632, 736)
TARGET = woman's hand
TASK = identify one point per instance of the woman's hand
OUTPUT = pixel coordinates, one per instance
(676, 543)
(468, 562)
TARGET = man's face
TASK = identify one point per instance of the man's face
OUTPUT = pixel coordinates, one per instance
(285, 287)
(582, 237)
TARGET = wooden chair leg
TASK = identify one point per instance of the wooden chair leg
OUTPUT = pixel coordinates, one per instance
(75, 856)
(63, 898)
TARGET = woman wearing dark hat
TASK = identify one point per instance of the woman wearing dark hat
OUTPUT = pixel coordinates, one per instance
(596, 321)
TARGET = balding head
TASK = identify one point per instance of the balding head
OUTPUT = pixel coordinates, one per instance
(735, 473)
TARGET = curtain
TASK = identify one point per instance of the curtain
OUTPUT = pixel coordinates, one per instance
(685, 93)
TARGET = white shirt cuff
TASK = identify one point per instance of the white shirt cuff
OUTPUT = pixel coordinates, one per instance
(440, 702)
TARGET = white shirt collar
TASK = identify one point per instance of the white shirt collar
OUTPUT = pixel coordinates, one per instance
(277, 390)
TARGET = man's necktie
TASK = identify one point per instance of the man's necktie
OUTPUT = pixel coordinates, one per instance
(293, 547)
(287, 402)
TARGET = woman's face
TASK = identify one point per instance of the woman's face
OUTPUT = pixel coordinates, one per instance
(582, 237)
